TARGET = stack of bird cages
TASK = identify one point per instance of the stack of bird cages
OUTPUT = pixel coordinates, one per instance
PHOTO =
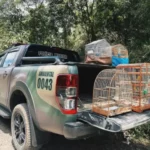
(140, 80)
(112, 93)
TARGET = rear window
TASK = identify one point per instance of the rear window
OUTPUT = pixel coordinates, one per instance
(41, 51)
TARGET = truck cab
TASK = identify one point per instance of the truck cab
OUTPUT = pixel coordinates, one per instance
(47, 90)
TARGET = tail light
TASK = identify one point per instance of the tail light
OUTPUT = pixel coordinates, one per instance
(67, 93)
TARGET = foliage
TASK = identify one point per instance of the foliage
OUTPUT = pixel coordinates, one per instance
(73, 23)
(141, 132)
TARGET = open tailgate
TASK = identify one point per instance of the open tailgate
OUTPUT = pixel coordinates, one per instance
(117, 123)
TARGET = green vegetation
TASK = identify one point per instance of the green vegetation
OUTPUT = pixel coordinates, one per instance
(73, 23)
(141, 132)
(140, 135)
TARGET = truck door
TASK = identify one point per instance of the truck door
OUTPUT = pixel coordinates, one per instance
(5, 75)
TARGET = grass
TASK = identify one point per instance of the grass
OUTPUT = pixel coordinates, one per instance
(141, 135)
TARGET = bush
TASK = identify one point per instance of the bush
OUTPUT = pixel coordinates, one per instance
(141, 131)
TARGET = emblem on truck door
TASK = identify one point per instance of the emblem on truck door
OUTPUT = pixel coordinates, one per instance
(44, 81)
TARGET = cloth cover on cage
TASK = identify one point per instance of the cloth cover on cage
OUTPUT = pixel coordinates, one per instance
(101, 51)
(119, 55)
(98, 52)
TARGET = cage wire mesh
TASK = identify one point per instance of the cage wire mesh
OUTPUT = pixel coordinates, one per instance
(140, 81)
(98, 52)
(99, 48)
(112, 93)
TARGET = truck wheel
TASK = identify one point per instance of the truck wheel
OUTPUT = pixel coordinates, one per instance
(21, 128)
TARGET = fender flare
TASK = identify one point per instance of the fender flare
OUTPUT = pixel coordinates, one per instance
(21, 86)
(39, 137)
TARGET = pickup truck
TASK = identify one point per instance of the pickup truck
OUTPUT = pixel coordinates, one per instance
(47, 90)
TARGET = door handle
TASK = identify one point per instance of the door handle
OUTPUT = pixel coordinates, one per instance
(5, 74)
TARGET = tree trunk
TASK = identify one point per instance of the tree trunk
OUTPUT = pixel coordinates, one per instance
(93, 35)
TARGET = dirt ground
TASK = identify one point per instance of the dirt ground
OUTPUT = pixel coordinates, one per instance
(60, 143)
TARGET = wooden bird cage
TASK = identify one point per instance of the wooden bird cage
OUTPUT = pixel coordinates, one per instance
(140, 80)
(112, 93)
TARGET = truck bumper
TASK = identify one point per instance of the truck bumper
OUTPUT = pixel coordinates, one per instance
(78, 130)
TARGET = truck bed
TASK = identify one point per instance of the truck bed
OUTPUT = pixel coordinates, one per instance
(84, 102)
(118, 123)
(87, 75)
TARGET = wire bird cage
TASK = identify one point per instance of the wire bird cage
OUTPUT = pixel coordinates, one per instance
(140, 81)
(112, 93)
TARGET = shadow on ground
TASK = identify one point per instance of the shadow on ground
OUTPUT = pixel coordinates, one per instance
(60, 143)
(5, 125)
(96, 143)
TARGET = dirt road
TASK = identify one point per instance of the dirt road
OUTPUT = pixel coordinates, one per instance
(59, 143)
(5, 136)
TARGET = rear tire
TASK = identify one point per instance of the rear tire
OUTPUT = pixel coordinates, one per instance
(21, 128)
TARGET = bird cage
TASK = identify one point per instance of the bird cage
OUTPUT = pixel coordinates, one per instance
(112, 93)
(98, 52)
(140, 80)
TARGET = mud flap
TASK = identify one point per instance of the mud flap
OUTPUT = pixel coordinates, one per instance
(39, 138)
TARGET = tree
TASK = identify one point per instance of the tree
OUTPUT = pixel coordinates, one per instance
(73, 23)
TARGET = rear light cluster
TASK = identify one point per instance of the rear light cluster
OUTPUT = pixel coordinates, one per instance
(67, 93)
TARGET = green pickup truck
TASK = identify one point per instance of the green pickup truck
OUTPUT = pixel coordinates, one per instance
(48, 90)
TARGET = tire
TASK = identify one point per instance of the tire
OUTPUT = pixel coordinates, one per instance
(21, 128)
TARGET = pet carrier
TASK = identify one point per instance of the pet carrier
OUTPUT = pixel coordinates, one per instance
(112, 93)
(140, 80)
